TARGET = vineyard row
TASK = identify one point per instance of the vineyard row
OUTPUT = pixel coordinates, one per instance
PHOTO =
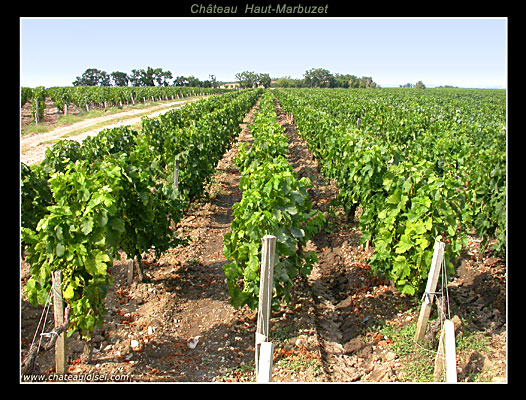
(85, 203)
(274, 203)
(86, 96)
(420, 167)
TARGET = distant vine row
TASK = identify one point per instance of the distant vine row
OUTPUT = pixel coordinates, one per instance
(86, 97)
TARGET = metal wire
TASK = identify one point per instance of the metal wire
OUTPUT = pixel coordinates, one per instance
(43, 315)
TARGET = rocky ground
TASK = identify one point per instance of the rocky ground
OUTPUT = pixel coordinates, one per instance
(343, 325)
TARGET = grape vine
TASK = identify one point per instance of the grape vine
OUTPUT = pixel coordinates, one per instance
(86, 202)
(274, 202)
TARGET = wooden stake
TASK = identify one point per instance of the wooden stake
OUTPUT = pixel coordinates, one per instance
(37, 117)
(137, 261)
(265, 292)
(450, 351)
(447, 353)
(432, 280)
(439, 360)
(129, 272)
(58, 308)
(265, 362)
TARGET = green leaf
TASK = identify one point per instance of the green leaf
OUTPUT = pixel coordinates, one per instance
(281, 236)
(102, 220)
(60, 250)
(420, 227)
(299, 197)
(404, 245)
(68, 293)
(408, 289)
(101, 261)
(87, 226)
(90, 265)
(292, 210)
(297, 233)
(117, 224)
(401, 268)
(96, 265)
(422, 242)
(388, 181)
(394, 198)
(428, 223)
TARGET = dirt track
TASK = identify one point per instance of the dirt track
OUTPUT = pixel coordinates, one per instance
(33, 146)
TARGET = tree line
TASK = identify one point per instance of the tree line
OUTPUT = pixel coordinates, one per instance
(141, 77)
(314, 77)
(418, 85)
(323, 78)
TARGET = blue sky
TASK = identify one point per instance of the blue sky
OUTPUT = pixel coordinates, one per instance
(459, 52)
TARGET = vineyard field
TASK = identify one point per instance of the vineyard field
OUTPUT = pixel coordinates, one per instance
(355, 184)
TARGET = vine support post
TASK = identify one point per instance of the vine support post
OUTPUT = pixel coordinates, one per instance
(129, 272)
(58, 309)
(37, 116)
(447, 351)
(265, 362)
(427, 299)
(137, 262)
(450, 351)
(263, 350)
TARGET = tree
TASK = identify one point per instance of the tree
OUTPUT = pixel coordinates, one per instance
(287, 81)
(247, 79)
(283, 82)
(92, 77)
(213, 81)
(420, 85)
(137, 79)
(119, 78)
(342, 81)
(193, 81)
(264, 79)
(162, 77)
(150, 76)
(318, 77)
(354, 82)
(180, 81)
(366, 82)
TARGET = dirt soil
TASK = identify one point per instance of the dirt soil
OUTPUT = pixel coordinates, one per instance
(177, 325)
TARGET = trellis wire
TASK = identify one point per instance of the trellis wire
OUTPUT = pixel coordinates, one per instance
(44, 315)
(443, 293)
